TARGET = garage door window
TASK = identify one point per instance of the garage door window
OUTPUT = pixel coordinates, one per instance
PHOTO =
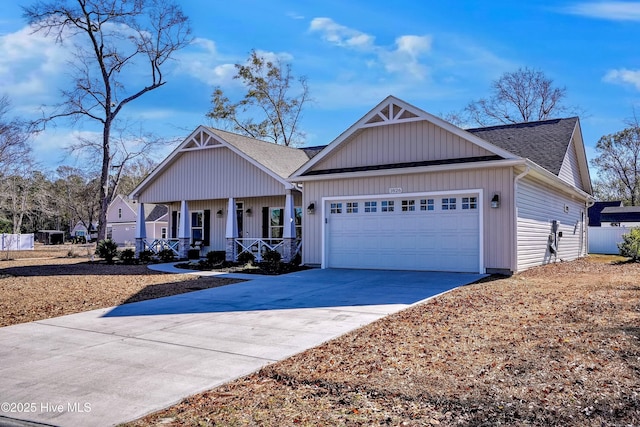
(449, 204)
(408, 205)
(352, 207)
(427, 205)
(336, 208)
(469, 203)
(386, 206)
(370, 206)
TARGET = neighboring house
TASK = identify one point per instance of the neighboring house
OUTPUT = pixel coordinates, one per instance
(596, 209)
(227, 192)
(620, 216)
(81, 232)
(403, 189)
(400, 189)
(122, 217)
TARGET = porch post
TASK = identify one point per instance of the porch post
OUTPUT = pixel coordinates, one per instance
(184, 231)
(289, 228)
(141, 230)
(231, 231)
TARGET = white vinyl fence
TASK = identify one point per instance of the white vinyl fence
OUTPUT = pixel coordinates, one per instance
(604, 240)
(16, 242)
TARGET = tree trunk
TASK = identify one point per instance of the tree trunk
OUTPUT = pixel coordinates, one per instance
(105, 198)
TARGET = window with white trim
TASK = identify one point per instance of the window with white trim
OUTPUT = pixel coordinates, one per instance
(197, 225)
(408, 205)
(119, 212)
(469, 203)
(336, 208)
(276, 222)
(352, 207)
(371, 206)
(449, 204)
(427, 205)
(163, 233)
(386, 206)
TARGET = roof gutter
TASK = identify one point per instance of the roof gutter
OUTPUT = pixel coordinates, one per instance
(414, 170)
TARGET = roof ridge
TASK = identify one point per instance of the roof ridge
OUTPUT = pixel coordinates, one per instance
(522, 124)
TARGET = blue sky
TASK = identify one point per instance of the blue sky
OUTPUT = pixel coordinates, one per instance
(436, 55)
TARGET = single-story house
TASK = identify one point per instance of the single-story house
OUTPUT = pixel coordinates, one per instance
(399, 189)
(596, 209)
(80, 231)
(122, 217)
(620, 216)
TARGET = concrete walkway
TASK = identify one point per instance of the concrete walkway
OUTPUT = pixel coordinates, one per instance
(113, 365)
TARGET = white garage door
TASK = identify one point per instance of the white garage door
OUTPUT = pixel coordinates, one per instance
(431, 233)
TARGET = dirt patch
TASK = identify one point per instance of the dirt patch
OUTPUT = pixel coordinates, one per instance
(46, 283)
(556, 345)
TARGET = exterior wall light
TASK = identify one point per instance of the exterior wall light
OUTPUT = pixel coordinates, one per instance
(311, 209)
(219, 213)
(495, 201)
(248, 212)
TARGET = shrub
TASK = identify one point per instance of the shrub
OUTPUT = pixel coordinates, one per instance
(216, 257)
(107, 249)
(166, 255)
(271, 262)
(127, 256)
(145, 256)
(272, 257)
(630, 245)
(246, 258)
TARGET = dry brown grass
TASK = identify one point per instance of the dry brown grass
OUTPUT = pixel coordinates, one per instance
(554, 346)
(47, 283)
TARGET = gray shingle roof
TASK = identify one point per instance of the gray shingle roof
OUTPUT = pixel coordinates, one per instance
(157, 212)
(278, 158)
(620, 214)
(544, 142)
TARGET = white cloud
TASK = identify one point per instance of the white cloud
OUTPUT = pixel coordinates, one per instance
(405, 57)
(295, 15)
(341, 35)
(611, 10)
(30, 64)
(623, 76)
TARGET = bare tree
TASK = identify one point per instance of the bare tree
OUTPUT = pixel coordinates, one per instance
(77, 193)
(618, 163)
(523, 95)
(110, 37)
(13, 137)
(269, 94)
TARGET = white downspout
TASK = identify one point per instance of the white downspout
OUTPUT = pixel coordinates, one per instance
(527, 169)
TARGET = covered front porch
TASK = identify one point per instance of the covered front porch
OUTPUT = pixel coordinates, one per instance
(235, 226)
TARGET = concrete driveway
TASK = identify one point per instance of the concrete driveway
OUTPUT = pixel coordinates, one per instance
(113, 365)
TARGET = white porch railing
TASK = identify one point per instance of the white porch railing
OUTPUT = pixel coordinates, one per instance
(158, 245)
(257, 246)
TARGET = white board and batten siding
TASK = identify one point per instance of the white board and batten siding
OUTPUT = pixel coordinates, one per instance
(213, 173)
(537, 206)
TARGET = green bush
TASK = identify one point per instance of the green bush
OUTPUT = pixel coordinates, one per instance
(216, 257)
(166, 255)
(145, 256)
(127, 256)
(630, 245)
(246, 258)
(107, 249)
(271, 262)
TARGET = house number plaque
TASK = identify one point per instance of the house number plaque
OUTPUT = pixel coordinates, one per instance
(395, 190)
